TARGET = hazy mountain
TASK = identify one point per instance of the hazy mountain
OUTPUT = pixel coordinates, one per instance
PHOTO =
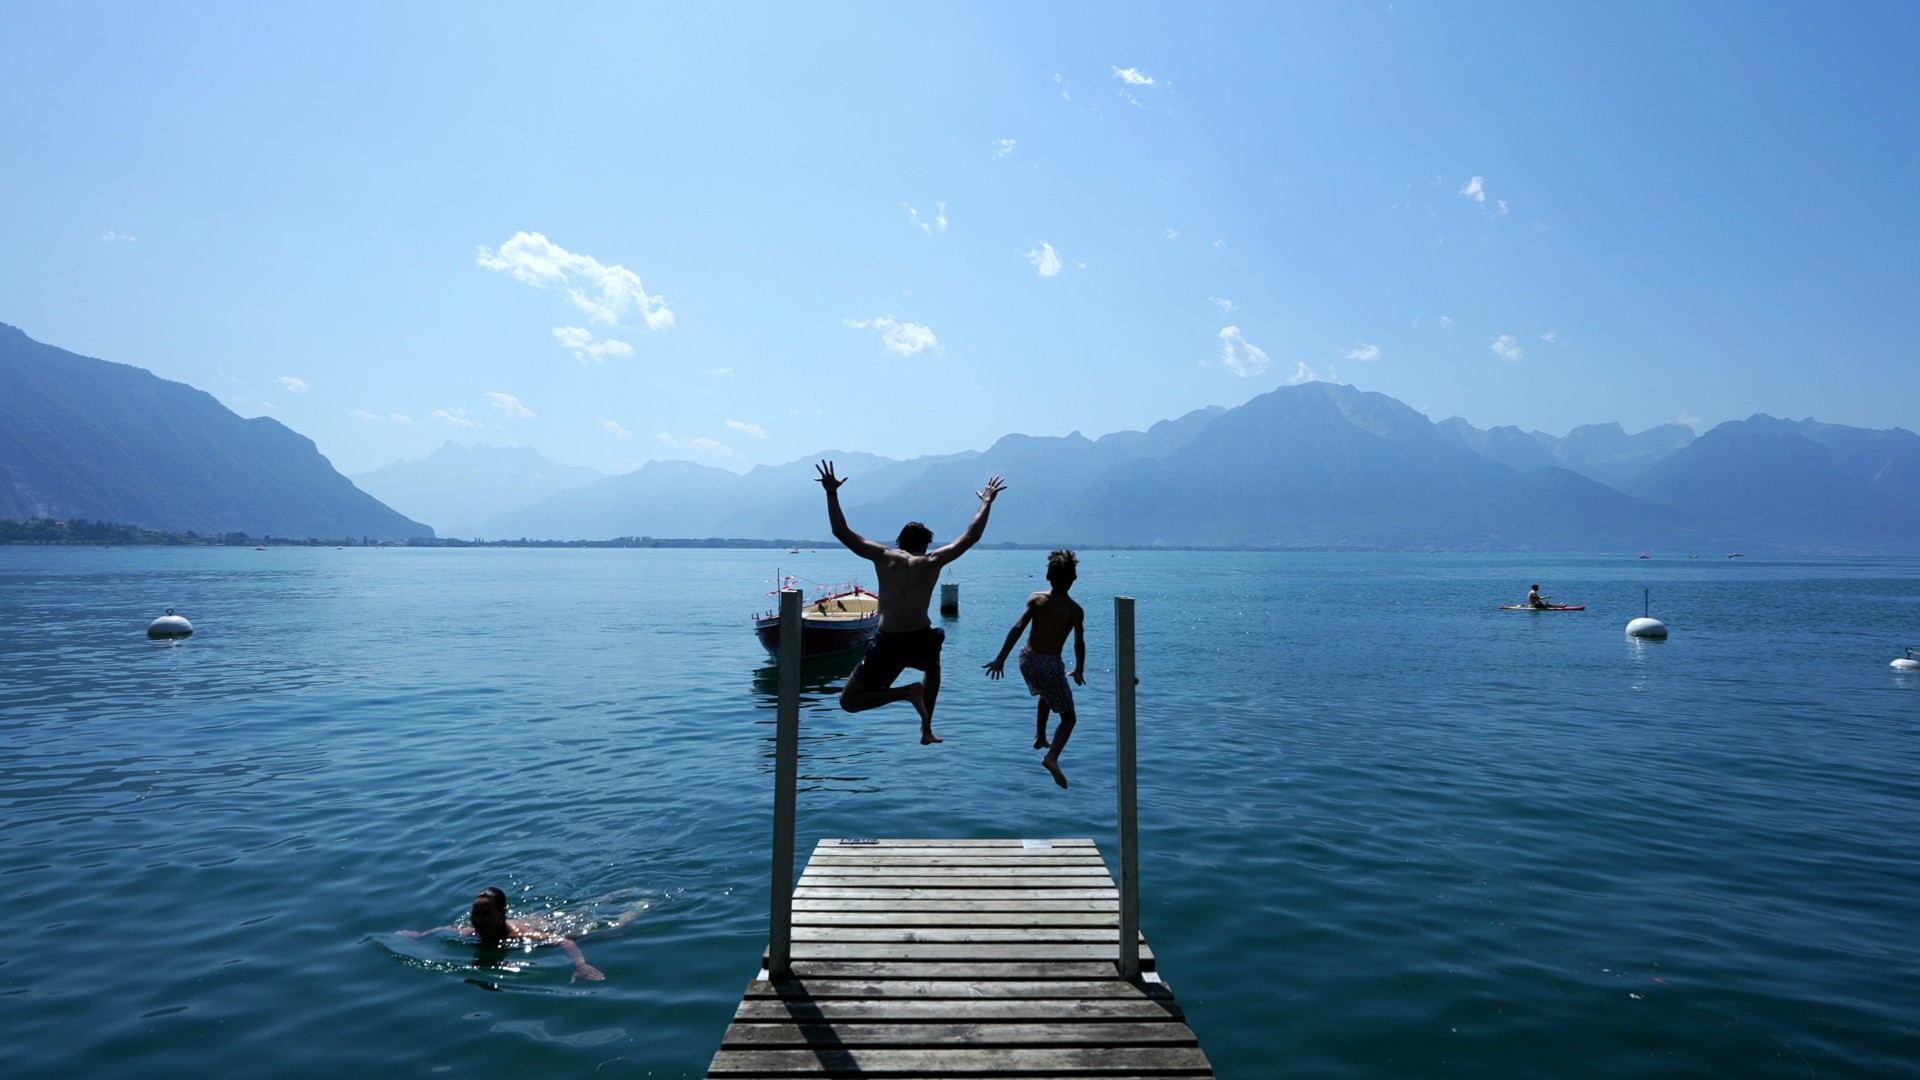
(1603, 452)
(455, 487)
(84, 438)
(1777, 484)
(1508, 445)
(1322, 465)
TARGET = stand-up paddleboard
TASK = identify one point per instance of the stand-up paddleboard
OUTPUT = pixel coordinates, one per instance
(1549, 607)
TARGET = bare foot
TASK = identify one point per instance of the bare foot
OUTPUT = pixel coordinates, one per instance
(1053, 767)
(1041, 744)
(917, 694)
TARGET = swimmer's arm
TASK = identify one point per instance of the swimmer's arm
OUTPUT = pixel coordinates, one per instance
(418, 934)
(998, 665)
(581, 969)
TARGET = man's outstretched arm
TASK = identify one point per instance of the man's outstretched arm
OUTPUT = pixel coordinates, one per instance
(975, 528)
(837, 518)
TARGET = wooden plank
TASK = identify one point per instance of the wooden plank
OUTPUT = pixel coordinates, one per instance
(883, 917)
(842, 1061)
(916, 969)
(957, 843)
(932, 904)
(1110, 895)
(983, 1010)
(957, 934)
(829, 989)
(973, 959)
(775, 1036)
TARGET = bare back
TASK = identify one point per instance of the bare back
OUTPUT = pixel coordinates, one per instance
(906, 588)
(1054, 616)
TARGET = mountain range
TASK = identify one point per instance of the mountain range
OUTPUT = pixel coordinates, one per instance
(1318, 465)
(85, 438)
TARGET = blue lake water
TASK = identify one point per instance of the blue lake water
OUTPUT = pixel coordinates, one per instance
(1386, 828)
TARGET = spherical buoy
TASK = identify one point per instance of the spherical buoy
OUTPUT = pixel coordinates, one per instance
(169, 626)
(1647, 628)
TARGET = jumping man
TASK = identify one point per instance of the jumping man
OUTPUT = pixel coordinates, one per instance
(907, 575)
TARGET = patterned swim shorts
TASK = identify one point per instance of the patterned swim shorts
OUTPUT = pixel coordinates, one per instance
(1046, 675)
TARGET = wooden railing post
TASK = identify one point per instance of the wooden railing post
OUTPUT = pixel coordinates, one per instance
(1126, 760)
(786, 770)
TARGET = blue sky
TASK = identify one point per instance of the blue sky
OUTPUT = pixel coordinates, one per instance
(741, 234)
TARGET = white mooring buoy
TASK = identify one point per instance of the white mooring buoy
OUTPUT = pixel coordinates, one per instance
(1647, 626)
(1909, 662)
(169, 626)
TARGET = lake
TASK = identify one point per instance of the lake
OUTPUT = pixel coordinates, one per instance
(1386, 828)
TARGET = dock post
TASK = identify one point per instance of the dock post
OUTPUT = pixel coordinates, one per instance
(786, 769)
(1127, 761)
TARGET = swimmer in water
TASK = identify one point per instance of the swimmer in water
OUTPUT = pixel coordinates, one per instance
(493, 930)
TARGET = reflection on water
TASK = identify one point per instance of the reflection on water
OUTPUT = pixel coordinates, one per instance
(827, 753)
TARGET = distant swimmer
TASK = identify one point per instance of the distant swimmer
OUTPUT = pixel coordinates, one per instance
(1534, 599)
(907, 575)
(493, 930)
(1053, 615)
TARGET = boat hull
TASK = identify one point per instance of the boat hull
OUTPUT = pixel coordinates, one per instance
(834, 623)
(819, 637)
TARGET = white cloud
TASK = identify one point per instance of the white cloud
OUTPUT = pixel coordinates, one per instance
(1476, 190)
(722, 373)
(906, 339)
(456, 418)
(390, 418)
(1552, 337)
(510, 405)
(1304, 374)
(1362, 352)
(1683, 418)
(111, 237)
(1003, 147)
(1045, 260)
(1133, 76)
(1171, 234)
(754, 430)
(1219, 243)
(1502, 204)
(668, 439)
(938, 222)
(1066, 92)
(709, 446)
(613, 428)
(605, 293)
(1225, 305)
(1506, 348)
(1239, 355)
(581, 341)
(1446, 322)
(293, 385)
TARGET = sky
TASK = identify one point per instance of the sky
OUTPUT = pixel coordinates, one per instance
(744, 234)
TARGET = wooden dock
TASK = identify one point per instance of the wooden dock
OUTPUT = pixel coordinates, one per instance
(957, 958)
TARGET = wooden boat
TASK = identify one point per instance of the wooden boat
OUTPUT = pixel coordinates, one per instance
(842, 617)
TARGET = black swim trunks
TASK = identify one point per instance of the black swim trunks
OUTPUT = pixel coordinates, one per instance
(889, 654)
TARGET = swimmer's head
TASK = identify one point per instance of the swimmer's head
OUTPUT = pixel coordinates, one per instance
(914, 538)
(1062, 567)
(490, 915)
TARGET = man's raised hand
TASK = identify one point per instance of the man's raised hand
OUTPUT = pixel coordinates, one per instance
(994, 487)
(827, 479)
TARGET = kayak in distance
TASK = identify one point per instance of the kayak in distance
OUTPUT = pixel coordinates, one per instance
(1547, 607)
